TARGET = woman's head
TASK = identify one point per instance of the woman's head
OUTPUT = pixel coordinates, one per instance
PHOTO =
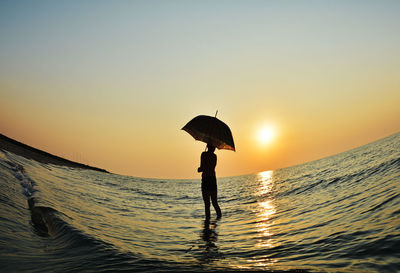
(210, 147)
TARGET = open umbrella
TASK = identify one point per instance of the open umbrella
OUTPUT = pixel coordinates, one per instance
(210, 130)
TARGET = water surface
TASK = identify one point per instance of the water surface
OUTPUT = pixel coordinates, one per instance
(338, 214)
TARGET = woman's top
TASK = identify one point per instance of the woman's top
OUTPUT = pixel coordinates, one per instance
(207, 164)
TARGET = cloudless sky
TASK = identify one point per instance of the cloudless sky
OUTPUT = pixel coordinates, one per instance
(111, 83)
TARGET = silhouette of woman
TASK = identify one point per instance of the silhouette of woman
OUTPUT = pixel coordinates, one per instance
(209, 180)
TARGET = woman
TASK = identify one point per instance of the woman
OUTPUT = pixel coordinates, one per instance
(209, 180)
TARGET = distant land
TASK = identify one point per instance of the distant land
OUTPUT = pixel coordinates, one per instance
(29, 152)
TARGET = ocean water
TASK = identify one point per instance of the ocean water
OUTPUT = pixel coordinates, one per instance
(337, 214)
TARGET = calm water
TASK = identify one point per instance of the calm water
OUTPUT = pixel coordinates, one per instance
(338, 214)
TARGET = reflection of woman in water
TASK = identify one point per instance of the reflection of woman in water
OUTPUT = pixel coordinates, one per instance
(209, 180)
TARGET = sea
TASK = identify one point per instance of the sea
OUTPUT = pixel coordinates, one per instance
(336, 214)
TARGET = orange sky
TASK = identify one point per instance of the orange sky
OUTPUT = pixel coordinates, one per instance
(111, 84)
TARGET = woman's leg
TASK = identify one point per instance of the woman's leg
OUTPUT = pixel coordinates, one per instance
(214, 199)
(206, 199)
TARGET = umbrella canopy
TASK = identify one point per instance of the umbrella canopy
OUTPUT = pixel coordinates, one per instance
(211, 130)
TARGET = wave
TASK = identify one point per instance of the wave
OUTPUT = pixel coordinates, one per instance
(382, 170)
(77, 250)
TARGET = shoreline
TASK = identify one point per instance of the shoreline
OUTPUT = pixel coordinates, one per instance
(21, 149)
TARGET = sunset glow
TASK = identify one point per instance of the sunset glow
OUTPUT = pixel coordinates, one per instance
(111, 83)
(266, 134)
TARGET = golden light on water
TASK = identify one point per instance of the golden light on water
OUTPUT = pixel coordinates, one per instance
(266, 210)
(265, 179)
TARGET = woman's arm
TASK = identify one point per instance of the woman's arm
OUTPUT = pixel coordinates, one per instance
(200, 169)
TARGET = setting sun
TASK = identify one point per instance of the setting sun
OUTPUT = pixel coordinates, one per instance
(266, 134)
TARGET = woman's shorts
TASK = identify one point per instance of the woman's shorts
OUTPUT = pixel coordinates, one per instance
(208, 183)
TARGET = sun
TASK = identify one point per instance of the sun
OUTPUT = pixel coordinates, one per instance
(266, 134)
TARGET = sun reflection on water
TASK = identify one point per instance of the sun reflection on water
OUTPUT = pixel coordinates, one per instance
(265, 210)
(265, 182)
(261, 238)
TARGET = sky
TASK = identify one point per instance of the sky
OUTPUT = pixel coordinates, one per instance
(111, 83)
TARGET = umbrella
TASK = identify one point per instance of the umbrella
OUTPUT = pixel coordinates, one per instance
(210, 130)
